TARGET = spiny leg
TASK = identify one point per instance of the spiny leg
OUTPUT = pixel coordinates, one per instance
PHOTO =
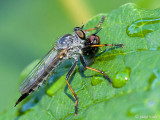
(70, 87)
(117, 45)
(105, 45)
(99, 71)
(103, 18)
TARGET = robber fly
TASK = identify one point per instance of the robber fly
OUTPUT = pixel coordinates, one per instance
(69, 46)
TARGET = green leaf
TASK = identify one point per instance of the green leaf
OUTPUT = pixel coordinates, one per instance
(134, 70)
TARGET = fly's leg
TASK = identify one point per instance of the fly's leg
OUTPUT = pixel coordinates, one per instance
(99, 71)
(70, 87)
(116, 45)
(103, 18)
(106, 45)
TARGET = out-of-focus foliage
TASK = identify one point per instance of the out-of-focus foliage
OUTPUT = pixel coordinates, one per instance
(138, 97)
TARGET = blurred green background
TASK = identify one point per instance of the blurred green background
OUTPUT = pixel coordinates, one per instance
(29, 29)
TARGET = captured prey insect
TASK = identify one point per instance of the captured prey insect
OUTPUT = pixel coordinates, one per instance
(69, 46)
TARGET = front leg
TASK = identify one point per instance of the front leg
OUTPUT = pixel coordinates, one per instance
(102, 20)
(113, 45)
(70, 87)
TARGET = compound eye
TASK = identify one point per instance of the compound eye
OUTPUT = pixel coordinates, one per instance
(94, 39)
(80, 34)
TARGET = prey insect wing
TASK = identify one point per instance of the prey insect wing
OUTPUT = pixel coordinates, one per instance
(40, 71)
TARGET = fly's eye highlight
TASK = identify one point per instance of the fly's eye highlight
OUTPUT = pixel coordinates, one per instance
(94, 39)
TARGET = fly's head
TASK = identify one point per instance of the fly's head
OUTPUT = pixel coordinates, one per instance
(88, 41)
